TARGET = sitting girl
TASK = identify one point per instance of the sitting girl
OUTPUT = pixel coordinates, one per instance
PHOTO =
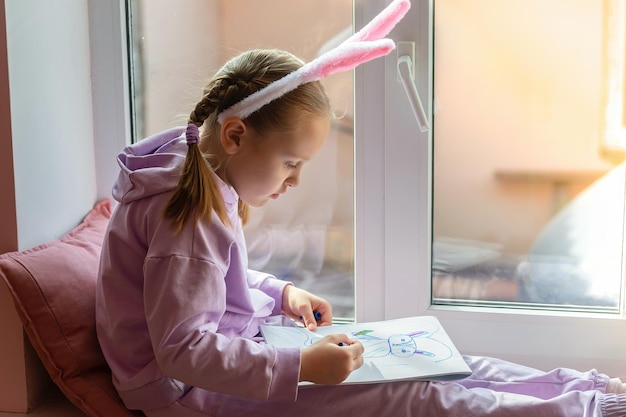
(178, 312)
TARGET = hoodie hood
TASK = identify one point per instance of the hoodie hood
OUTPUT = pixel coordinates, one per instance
(150, 166)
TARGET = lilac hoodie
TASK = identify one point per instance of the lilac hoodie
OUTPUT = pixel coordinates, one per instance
(176, 311)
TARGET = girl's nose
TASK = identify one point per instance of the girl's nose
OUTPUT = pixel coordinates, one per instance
(293, 180)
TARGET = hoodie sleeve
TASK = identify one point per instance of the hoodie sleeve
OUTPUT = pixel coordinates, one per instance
(270, 285)
(183, 316)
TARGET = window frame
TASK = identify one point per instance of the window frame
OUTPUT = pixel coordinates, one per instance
(390, 152)
(394, 224)
(110, 88)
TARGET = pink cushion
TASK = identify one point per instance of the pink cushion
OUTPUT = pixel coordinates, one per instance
(53, 286)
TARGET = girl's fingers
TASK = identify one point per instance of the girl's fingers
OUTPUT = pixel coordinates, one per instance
(309, 317)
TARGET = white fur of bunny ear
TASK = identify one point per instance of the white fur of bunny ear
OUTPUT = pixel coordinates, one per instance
(260, 98)
(361, 47)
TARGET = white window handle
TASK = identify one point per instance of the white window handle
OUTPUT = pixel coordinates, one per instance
(405, 73)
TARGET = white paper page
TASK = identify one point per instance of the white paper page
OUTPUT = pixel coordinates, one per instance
(414, 347)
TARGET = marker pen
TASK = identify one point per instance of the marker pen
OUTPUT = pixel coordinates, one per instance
(316, 314)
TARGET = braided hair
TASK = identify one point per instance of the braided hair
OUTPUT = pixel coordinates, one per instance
(197, 194)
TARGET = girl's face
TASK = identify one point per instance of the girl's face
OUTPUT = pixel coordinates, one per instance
(261, 168)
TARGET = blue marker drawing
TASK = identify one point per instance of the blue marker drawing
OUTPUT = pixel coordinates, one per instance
(421, 342)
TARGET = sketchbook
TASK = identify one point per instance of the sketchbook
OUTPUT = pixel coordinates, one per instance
(412, 348)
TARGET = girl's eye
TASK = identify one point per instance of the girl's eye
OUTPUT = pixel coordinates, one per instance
(291, 165)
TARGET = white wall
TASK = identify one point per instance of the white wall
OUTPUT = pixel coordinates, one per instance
(48, 140)
(51, 116)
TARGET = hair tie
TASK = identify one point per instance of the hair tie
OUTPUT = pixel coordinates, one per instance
(192, 134)
(365, 45)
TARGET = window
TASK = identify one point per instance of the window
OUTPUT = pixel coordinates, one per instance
(397, 210)
(536, 217)
(414, 220)
(307, 235)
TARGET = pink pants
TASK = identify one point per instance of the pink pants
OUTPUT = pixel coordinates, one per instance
(495, 388)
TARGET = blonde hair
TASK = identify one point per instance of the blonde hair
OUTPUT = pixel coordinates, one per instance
(197, 193)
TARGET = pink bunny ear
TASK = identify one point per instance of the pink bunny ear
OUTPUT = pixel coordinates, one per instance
(361, 47)
(383, 23)
(346, 57)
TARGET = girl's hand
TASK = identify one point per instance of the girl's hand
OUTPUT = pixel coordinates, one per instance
(326, 362)
(301, 305)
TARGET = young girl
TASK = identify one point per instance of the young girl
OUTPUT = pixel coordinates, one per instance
(178, 312)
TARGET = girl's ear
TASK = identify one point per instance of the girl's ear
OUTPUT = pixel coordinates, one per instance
(231, 134)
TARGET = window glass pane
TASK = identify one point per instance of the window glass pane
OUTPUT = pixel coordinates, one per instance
(306, 236)
(528, 195)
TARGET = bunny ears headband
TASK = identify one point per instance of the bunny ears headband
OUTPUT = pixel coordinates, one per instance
(363, 46)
